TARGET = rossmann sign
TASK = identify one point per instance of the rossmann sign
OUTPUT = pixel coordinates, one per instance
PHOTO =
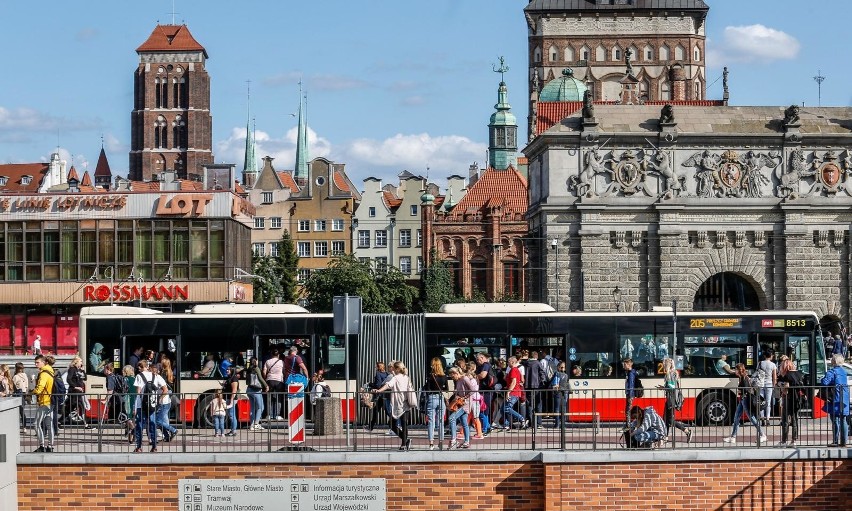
(128, 292)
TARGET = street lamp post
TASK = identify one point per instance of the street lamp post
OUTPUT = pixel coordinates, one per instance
(554, 245)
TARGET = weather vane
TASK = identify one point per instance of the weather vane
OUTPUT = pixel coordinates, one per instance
(819, 78)
(502, 69)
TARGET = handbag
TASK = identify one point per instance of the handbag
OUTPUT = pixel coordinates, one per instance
(296, 378)
(457, 402)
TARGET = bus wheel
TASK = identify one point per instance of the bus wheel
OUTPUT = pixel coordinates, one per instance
(202, 411)
(714, 410)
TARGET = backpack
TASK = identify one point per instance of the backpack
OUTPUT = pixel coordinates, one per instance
(757, 380)
(490, 380)
(549, 371)
(59, 388)
(149, 396)
(638, 389)
(119, 384)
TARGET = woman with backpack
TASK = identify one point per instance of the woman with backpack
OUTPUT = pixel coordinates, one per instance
(674, 398)
(746, 393)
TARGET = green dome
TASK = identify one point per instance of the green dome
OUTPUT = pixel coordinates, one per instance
(427, 197)
(566, 88)
(503, 118)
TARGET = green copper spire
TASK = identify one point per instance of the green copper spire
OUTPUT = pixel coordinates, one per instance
(503, 128)
(302, 157)
(250, 169)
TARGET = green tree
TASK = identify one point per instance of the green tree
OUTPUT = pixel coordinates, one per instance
(437, 285)
(381, 291)
(277, 274)
(288, 267)
(268, 286)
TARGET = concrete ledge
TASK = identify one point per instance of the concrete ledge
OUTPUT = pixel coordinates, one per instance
(390, 458)
(8, 403)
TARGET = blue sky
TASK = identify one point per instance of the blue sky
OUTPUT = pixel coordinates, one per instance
(392, 85)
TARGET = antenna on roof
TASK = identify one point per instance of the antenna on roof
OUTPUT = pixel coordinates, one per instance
(102, 140)
(173, 12)
(819, 79)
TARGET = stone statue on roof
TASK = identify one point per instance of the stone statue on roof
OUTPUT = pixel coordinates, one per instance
(588, 106)
(791, 115)
(667, 115)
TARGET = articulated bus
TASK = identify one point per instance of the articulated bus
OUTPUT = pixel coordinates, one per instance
(207, 333)
(596, 342)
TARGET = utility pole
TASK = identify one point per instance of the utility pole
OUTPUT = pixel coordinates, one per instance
(819, 79)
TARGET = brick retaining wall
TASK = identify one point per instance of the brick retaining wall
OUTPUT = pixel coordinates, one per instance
(550, 482)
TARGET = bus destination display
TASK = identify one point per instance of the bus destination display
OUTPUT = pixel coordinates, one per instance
(783, 323)
(716, 323)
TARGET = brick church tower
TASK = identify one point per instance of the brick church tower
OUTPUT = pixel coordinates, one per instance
(170, 127)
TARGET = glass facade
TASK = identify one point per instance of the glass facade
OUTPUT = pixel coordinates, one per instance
(75, 250)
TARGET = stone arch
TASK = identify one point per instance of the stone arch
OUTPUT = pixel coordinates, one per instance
(729, 290)
(831, 323)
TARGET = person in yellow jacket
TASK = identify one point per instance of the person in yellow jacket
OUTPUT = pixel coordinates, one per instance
(44, 413)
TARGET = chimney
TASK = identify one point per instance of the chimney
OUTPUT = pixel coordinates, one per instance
(473, 174)
(677, 77)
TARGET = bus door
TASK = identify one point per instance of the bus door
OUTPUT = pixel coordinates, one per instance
(773, 342)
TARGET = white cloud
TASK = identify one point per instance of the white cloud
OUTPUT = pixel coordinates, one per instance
(283, 149)
(114, 145)
(753, 43)
(28, 119)
(86, 34)
(326, 82)
(384, 159)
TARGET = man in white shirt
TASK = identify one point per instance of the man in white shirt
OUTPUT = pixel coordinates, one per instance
(147, 400)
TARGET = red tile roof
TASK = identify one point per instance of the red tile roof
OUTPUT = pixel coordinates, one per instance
(14, 172)
(340, 181)
(495, 188)
(171, 38)
(145, 186)
(391, 201)
(72, 174)
(288, 181)
(549, 113)
(191, 186)
(238, 188)
(102, 169)
(87, 180)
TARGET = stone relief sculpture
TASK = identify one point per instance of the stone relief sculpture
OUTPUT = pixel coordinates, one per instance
(754, 181)
(788, 180)
(584, 184)
(660, 163)
(829, 176)
(627, 174)
(708, 166)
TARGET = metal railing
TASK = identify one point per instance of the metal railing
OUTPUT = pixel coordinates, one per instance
(543, 420)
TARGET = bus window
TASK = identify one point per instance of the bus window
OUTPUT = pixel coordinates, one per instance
(706, 361)
(647, 352)
(332, 355)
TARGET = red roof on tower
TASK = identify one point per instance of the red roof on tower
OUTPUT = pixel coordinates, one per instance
(171, 38)
(102, 169)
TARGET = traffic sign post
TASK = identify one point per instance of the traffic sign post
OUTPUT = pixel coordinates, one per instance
(347, 320)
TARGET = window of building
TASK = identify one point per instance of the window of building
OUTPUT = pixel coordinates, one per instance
(405, 238)
(267, 198)
(649, 53)
(304, 248)
(304, 273)
(319, 225)
(363, 239)
(554, 55)
(414, 210)
(419, 238)
(381, 263)
(3, 180)
(537, 55)
(320, 249)
(405, 264)
(511, 279)
(25, 180)
(259, 222)
(616, 53)
(258, 249)
(381, 238)
(478, 277)
(569, 54)
(665, 53)
(585, 53)
(304, 226)
(696, 54)
(275, 249)
(275, 222)
(371, 212)
(364, 260)
(337, 224)
(600, 54)
(419, 264)
(338, 248)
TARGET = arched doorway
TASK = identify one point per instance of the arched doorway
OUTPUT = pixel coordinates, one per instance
(726, 291)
